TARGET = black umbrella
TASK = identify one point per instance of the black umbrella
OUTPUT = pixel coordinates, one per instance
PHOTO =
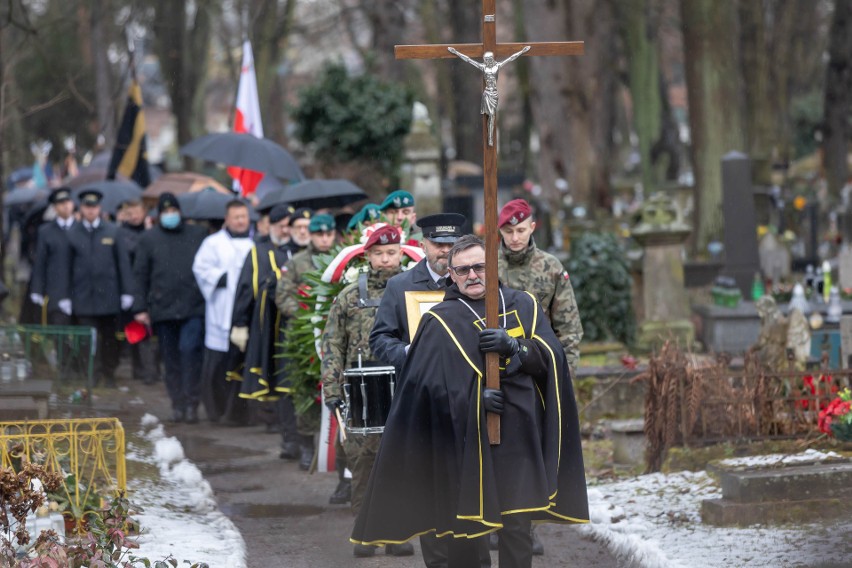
(24, 195)
(207, 205)
(115, 193)
(320, 193)
(245, 151)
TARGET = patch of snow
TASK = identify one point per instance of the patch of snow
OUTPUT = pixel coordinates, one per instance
(149, 421)
(179, 516)
(808, 456)
(654, 521)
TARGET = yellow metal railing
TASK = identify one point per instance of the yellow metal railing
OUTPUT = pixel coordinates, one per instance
(90, 450)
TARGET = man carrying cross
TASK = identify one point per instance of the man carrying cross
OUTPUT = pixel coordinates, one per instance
(435, 471)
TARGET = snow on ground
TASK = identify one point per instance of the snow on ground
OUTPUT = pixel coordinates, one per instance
(180, 515)
(654, 521)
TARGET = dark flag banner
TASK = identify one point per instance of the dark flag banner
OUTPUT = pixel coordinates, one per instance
(130, 155)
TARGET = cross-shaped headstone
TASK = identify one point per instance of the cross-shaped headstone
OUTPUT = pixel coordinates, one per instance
(494, 55)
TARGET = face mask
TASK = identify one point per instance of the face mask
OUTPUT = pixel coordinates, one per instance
(170, 220)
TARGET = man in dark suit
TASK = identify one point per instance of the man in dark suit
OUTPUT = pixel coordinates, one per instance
(51, 258)
(390, 337)
(100, 280)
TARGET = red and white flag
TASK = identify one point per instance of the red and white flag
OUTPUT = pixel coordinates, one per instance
(247, 120)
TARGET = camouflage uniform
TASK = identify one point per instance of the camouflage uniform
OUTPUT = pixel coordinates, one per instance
(346, 332)
(286, 294)
(542, 274)
(291, 278)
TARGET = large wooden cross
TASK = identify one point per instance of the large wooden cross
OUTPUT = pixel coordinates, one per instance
(500, 52)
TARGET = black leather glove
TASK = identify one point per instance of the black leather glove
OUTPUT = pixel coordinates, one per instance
(492, 400)
(333, 404)
(223, 281)
(497, 341)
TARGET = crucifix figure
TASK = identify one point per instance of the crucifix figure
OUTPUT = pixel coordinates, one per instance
(489, 69)
(489, 49)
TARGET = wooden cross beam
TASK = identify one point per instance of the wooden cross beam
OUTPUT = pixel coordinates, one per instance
(500, 51)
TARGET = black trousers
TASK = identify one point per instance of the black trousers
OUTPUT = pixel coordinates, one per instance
(515, 542)
(287, 420)
(108, 347)
(181, 344)
(449, 552)
(221, 397)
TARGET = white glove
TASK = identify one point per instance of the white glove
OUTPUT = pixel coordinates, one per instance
(239, 337)
(126, 302)
(37, 299)
(64, 306)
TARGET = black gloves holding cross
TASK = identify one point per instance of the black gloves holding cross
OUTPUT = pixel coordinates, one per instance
(500, 342)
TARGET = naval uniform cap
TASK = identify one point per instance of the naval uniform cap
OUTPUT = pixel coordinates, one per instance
(91, 197)
(281, 212)
(397, 200)
(442, 227)
(301, 213)
(59, 195)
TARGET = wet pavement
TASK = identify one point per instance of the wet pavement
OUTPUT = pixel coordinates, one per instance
(283, 512)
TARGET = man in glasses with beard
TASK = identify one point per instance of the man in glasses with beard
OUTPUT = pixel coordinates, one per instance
(436, 472)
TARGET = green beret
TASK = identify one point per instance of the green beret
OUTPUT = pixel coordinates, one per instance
(321, 223)
(397, 200)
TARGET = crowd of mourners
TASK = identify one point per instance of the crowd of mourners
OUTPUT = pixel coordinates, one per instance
(205, 307)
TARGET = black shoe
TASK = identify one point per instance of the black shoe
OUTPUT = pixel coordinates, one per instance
(289, 451)
(306, 458)
(178, 416)
(403, 549)
(192, 415)
(364, 551)
(537, 546)
(343, 493)
(493, 541)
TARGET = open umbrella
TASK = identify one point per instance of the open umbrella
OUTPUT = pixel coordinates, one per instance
(245, 151)
(181, 182)
(24, 195)
(321, 193)
(115, 193)
(207, 204)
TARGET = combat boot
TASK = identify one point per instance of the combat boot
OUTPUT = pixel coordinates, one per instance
(343, 493)
(192, 415)
(289, 451)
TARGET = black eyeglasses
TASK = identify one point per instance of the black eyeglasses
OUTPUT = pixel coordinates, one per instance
(465, 270)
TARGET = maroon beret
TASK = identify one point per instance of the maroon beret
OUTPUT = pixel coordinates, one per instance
(386, 235)
(514, 212)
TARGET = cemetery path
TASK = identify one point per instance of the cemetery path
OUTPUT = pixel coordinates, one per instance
(283, 513)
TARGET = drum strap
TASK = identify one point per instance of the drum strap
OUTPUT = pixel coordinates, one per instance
(364, 300)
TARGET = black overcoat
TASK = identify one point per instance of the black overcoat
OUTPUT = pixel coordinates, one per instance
(51, 270)
(100, 269)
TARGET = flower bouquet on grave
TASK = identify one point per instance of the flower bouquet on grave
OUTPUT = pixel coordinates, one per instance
(836, 419)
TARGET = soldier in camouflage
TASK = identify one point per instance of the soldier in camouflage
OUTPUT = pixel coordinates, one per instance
(523, 266)
(345, 337)
(322, 233)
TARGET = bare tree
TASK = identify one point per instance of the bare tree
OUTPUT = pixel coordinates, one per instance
(710, 36)
(182, 41)
(837, 130)
(573, 98)
(99, 15)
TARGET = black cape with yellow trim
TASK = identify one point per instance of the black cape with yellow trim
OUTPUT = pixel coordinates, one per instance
(435, 470)
(262, 371)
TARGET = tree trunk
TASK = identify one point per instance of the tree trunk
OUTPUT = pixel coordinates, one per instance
(838, 99)
(638, 25)
(272, 24)
(103, 81)
(754, 49)
(573, 99)
(466, 83)
(183, 56)
(715, 108)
